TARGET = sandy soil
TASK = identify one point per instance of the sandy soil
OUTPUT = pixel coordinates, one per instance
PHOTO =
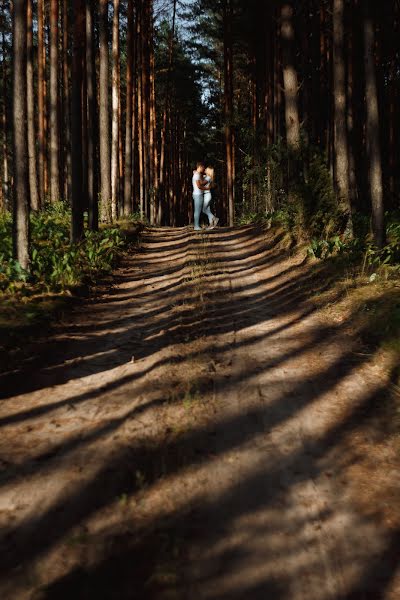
(199, 432)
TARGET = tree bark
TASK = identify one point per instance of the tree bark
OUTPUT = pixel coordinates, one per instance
(76, 119)
(33, 181)
(92, 175)
(341, 149)
(373, 130)
(66, 105)
(153, 126)
(4, 124)
(228, 109)
(105, 156)
(127, 205)
(290, 79)
(54, 104)
(140, 108)
(41, 100)
(21, 201)
(115, 110)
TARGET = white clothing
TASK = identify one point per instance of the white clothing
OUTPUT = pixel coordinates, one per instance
(207, 193)
(197, 177)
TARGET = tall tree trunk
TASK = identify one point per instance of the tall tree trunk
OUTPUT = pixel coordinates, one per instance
(115, 110)
(4, 126)
(145, 108)
(140, 108)
(228, 109)
(128, 123)
(105, 156)
(54, 104)
(46, 44)
(33, 181)
(76, 119)
(66, 105)
(373, 130)
(153, 126)
(21, 201)
(341, 149)
(290, 79)
(164, 191)
(350, 111)
(92, 175)
(41, 99)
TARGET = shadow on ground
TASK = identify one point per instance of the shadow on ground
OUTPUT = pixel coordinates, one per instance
(150, 559)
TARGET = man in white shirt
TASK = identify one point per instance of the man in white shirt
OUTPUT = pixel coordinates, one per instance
(200, 185)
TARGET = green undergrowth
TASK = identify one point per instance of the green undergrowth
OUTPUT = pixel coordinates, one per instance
(363, 298)
(59, 271)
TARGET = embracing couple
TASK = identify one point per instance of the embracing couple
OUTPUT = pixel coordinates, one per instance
(203, 182)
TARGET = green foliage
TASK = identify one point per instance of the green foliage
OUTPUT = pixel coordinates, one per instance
(308, 208)
(316, 200)
(361, 246)
(55, 263)
(11, 271)
(294, 186)
(324, 248)
(249, 217)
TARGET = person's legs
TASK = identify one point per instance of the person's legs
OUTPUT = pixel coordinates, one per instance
(206, 207)
(198, 205)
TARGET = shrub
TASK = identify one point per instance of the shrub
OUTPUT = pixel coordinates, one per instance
(55, 263)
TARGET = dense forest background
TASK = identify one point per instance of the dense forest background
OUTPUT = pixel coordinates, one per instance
(105, 107)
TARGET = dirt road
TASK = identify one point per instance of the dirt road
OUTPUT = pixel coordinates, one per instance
(198, 432)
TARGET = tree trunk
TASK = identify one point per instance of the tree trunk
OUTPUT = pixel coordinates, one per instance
(153, 126)
(76, 119)
(66, 105)
(92, 185)
(115, 110)
(21, 198)
(341, 150)
(127, 205)
(165, 134)
(33, 181)
(54, 104)
(4, 126)
(290, 80)
(41, 99)
(350, 115)
(105, 157)
(140, 109)
(373, 130)
(228, 109)
(46, 113)
(145, 107)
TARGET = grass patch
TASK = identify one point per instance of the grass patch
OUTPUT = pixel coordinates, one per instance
(369, 307)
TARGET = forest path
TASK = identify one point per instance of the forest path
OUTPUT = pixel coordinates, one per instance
(196, 432)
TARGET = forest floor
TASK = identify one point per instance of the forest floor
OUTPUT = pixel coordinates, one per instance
(213, 427)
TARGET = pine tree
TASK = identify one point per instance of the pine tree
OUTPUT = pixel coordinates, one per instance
(20, 135)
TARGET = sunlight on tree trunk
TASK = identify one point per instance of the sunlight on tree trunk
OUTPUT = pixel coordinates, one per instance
(21, 195)
(41, 99)
(115, 110)
(54, 104)
(78, 55)
(290, 80)
(372, 131)
(341, 150)
(33, 181)
(105, 156)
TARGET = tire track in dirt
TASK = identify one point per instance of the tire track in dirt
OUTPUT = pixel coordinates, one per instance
(186, 436)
